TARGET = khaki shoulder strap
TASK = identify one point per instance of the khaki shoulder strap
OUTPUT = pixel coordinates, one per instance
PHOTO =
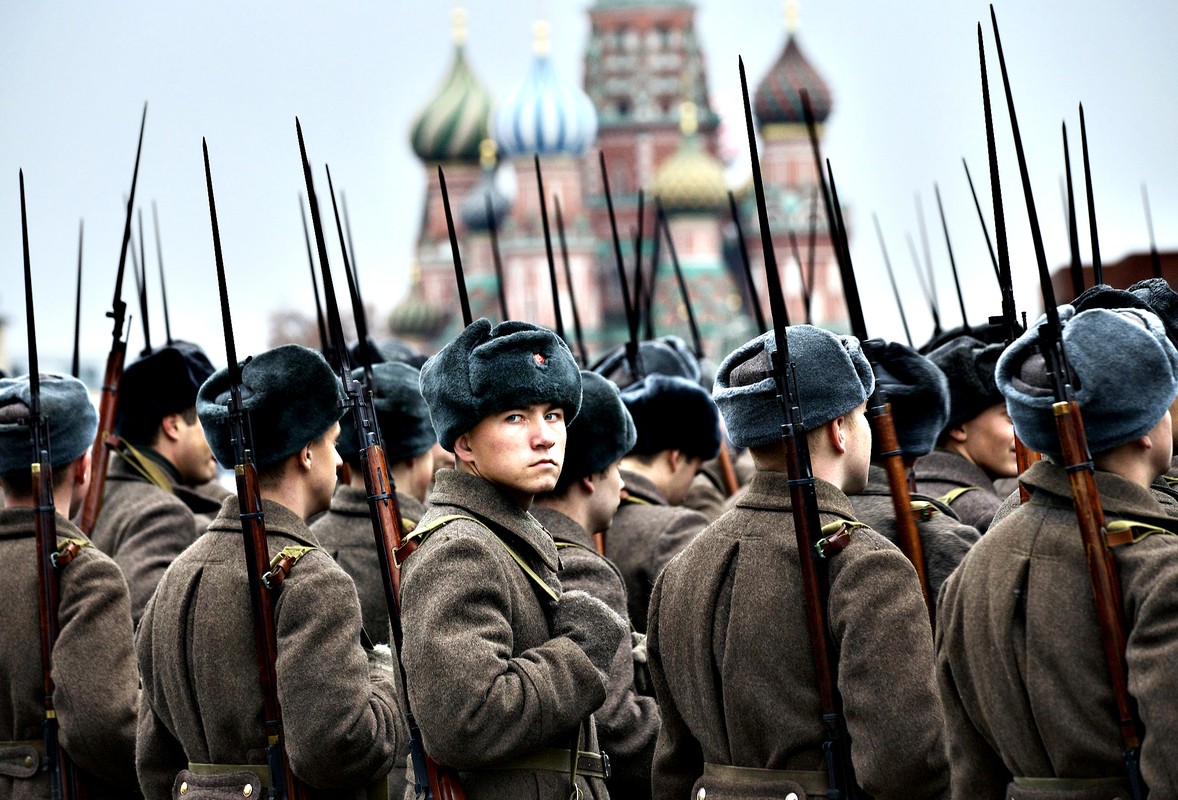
(1171, 481)
(421, 532)
(150, 471)
(637, 501)
(948, 497)
(282, 564)
(67, 551)
(923, 510)
(836, 536)
(1126, 531)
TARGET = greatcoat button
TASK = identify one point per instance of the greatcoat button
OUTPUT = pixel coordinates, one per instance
(248, 790)
(701, 794)
(28, 761)
(184, 787)
(792, 796)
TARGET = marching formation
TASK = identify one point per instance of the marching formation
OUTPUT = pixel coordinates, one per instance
(838, 567)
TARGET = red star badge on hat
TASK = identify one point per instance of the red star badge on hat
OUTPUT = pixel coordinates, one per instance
(539, 359)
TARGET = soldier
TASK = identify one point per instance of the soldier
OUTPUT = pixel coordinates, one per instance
(976, 447)
(345, 531)
(730, 656)
(151, 508)
(678, 429)
(503, 668)
(919, 396)
(583, 503)
(201, 716)
(1028, 698)
(96, 686)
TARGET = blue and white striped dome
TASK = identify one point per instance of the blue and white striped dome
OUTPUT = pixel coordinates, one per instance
(544, 114)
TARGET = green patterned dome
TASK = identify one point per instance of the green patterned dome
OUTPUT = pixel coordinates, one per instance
(691, 179)
(454, 122)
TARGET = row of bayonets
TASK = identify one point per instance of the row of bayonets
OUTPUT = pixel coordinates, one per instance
(264, 585)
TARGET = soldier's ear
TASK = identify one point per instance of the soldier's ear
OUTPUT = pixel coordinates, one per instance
(462, 449)
(956, 434)
(836, 433)
(170, 425)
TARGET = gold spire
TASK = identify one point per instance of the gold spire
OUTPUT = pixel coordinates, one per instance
(487, 150)
(688, 121)
(540, 35)
(458, 26)
(791, 16)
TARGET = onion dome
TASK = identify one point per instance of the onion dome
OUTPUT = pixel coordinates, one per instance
(691, 179)
(779, 95)
(544, 114)
(474, 210)
(414, 318)
(454, 122)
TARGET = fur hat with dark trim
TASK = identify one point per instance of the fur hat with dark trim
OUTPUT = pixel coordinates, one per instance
(917, 391)
(602, 433)
(1162, 300)
(672, 413)
(386, 350)
(968, 364)
(292, 398)
(833, 378)
(666, 355)
(486, 369)
(986, 333)
(70, 415)
(165, 381)
(401, 414)
(1126, 377)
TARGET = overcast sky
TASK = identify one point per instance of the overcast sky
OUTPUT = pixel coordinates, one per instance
(907, 109)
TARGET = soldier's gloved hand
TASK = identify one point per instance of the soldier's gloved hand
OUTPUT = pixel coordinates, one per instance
(593, 626)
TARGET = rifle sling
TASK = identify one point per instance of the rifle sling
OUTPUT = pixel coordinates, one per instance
(150, 471)
(813, 782)
(948, 497)
(21, 759)
(377, 790)
(1125, 531)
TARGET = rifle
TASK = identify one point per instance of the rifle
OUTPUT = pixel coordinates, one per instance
(952, 261)
(982, 220)
(648, 291)
(631, 314)
(159, 252)
(892, 279)
(793, 246)
(548, 250)
(1024, 456)
(742, 248)
(1154, 259)
(74, 363)
(324, 342)
(932, 304)
(1097, 269)
(63, 780)
(493, 231)
(142, 284)
(264, 586)
(803, 497)
(568, 279)
(113, 376)
(879, 410)
(463, 297)
(1077, 270)
(928, 258)
(663, 228)
(1077, 461)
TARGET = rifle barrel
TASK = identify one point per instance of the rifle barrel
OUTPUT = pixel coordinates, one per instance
(892, 279)
(742, 248)
(548, 251)
(952, 260)
(463, 297)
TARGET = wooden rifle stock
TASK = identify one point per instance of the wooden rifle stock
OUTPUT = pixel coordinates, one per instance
(727, 470)
(879, 410)
(1024, 457)
(103, 443)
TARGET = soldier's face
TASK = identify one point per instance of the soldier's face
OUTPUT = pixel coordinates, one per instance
(1162, 445)
(325, 461)
(193, 457)
(521, 450)
(989, 442)
(606, 497)
(858, 436)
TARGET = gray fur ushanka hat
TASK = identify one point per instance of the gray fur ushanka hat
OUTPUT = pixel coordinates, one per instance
(833, 377)
(485, 370)
(66, 406)
(918, 393)
(401, 413)
(666, 355)
(672, 413)
(969, 366)
(602, 433)
(292, 398)
(164, 381)
(1126, 374)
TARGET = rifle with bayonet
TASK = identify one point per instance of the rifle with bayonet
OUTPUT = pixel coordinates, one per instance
(952, 260)
(463, 297)
(1077, 462)
(1097, 268)
(75, 365)
(663, 228)
(803, 499)
(1077, 270)
(113, 376)
(892, 279)
(493, 232)
(568, 279)
(746, 267)
(264, 585)
(63, 780)
(559, 319)
(879, 410)
(324, 342)
(1154, 259)
(159, 252)
(631, 312)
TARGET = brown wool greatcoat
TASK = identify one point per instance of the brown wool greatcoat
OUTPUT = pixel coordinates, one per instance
(143, 527)
(1019, 661)
(96, 684)
(628, 722)
(645, 535)
(941, 472)
(708, 495)
(345, 533)
(201, 698)
(488, 682)
(944, 539)
(731, 661)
